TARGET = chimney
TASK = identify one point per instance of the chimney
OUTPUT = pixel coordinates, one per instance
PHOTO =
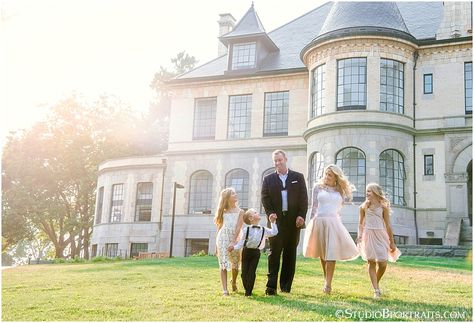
(226, 24)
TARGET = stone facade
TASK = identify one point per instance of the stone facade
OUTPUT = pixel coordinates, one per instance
(435, 207)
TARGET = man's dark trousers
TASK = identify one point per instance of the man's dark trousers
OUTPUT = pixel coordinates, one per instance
(250, 258)
(284, 243)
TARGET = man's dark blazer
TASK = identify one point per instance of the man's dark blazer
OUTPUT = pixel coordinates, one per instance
(297, 197)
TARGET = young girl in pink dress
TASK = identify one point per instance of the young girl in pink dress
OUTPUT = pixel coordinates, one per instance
(375, 236)
(229, 221)
(326, 237)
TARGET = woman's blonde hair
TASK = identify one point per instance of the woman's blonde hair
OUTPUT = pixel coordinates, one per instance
(223, 205)
(343, 186)
(379, 193)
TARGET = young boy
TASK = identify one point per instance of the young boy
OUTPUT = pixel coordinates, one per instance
(252, 241)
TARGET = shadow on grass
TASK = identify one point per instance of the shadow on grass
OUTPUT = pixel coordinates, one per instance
(337, 307)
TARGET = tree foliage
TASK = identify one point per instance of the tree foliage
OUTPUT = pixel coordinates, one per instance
(49, 172)
(158, 114)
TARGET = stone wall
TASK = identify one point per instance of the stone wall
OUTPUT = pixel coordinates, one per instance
(439, 251)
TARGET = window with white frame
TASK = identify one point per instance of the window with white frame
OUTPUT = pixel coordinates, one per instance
(239, 180)
(204, 118)
(244, 56)
(265, 173)
(391, 86)
(240, 107)
(144, 201)
(100, 203)
(428, 164)
(200, 194)
(352, 162)
(317, 90)
(352, 83)
(276, 114)
(392, 175)
(316, 169)
(468, 87)
(116, 210)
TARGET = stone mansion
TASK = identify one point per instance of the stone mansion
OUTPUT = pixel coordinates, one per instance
(383, 89)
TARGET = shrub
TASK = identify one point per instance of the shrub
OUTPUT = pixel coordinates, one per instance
(100, 259)
(59, 261)
(200, 254)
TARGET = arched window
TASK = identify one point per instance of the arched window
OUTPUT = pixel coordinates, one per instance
(352, 162)
(316, 169)
(392, 175)
(265, 173)
(239, 180)
(200, 194)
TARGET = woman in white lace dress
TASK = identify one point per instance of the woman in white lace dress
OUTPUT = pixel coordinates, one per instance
(229, 222)
(326, 237)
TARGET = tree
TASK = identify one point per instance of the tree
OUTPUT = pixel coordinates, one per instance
(49, 172)
(158, 114)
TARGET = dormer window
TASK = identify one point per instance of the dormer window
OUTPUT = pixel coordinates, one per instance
(244, 56)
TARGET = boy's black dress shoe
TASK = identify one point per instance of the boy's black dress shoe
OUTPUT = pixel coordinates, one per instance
(285, 291)
(270, 291)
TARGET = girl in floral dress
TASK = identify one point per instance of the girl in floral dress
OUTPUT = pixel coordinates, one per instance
(229, 220)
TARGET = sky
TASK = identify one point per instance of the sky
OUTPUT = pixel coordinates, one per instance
(52, 49)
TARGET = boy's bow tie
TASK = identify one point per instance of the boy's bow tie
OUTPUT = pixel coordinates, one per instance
(255, 226)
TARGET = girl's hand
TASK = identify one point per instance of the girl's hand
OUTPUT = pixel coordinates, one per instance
(393, 247)
(358, 240)
(230, 248)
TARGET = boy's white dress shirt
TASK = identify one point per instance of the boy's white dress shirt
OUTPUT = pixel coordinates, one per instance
(255, 240)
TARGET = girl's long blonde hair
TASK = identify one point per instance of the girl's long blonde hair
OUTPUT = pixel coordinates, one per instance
(379, 193)
(343, 186)
(223, 205)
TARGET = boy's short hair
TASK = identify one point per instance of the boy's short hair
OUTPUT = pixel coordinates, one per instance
(247, 215)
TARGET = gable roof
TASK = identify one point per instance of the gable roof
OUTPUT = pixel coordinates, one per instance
(419, 20)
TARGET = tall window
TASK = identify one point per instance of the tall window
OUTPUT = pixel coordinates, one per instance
(143, 203)
(352, 162)
(244, 56)
(316, 169)
(239, 180)
(240, 107)
(276, 114)
(111, 250)
(317, 91)
(427, 83)
(200, 195)
(468, 87)
(116, 211)
(392, 175)
(100, 203)
(351, 83)
(391, 86)
(205, 118)
(136, 248)
(429, 164)
(265, 173)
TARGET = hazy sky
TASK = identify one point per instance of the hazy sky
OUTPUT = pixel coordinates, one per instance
(49, 49)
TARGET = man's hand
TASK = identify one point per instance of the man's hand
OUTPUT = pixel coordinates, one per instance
(272, 218)
(299, 222)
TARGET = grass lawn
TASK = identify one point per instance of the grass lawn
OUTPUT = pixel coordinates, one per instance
(188, 289)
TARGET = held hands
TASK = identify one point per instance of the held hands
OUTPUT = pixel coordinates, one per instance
(299, 222)
(393, 247)
(272, 217)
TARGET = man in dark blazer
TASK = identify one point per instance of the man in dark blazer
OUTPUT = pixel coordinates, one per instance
(284, 194)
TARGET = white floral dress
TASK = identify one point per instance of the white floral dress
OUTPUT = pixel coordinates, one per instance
(227, 260)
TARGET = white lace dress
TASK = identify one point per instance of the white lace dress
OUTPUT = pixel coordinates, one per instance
(326, 237)
(227, 260)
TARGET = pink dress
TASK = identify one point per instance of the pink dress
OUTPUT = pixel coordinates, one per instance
(325, 236)
(375, 242)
